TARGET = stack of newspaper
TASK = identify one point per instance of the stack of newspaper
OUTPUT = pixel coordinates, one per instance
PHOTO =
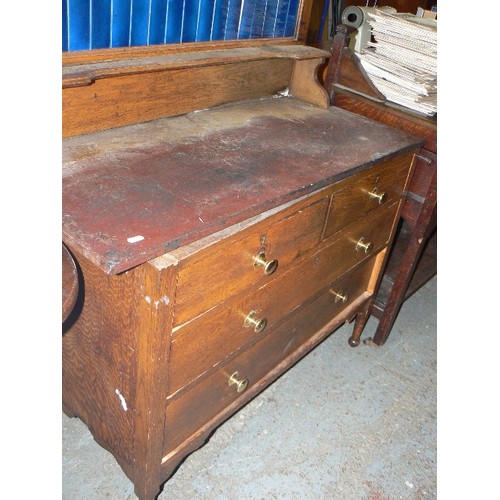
(402, 62)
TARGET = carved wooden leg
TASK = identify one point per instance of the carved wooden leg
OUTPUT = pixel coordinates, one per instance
(420, 234)
(396, 296)
(360, 323)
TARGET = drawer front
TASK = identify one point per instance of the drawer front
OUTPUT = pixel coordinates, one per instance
(189, 412)
(209, 281)
(367, 191)
(212, 337)
(425, 168)
(358, 242)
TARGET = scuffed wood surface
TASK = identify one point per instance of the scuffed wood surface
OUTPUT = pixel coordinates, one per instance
(390, 114)
(134, 193)
(137, 98)
(114, 93)
(84, 74)
(305, 85)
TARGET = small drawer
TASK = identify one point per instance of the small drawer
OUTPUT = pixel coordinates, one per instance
(425, 168)
(248, 262)
(358, 242)
(207, 399)
(367, 191)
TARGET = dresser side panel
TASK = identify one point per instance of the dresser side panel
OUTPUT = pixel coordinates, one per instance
(107, 364)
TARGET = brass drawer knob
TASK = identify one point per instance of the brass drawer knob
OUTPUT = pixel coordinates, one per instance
(380, 196)
(269, 265)
(362, 245)
(241, 385)
(252, 320)
(339, 296)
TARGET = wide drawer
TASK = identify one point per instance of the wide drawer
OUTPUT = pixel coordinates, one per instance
(204, 401)
(207, 341)
(366, 191)
(208, 281)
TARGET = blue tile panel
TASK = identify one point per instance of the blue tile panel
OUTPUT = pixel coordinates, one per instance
(99, 24)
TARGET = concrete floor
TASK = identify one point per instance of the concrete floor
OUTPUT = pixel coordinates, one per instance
(342, 424)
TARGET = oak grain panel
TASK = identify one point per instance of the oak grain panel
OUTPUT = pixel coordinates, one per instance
(126, 100)
(188, 413)
(214, 336)
(113, 359)
(389, 115)
(352, 201)
(231, 270)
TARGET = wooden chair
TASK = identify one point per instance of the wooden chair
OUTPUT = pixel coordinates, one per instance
(413, 259)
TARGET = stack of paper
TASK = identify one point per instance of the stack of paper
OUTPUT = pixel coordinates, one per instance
(402, 62)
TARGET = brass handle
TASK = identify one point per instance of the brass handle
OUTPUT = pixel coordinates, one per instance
(380, 196)
(269, 266)
(258, 324)
(241, 385)
(362, 245)
(340, 296)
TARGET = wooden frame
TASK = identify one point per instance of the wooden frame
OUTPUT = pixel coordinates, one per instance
(109, 94)
(110, 88)
(413, 258)
(113, 54)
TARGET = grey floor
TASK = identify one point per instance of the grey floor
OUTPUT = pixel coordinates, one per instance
(342, 424)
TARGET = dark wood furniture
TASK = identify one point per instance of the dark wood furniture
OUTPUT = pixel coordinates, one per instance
(224, 224)
(69, 283)
(413, 259)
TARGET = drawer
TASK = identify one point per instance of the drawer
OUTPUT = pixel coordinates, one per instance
(206, 282)
(425, 168)
(203, 402)
(366, 191)
(212, 337)
(357, 242)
